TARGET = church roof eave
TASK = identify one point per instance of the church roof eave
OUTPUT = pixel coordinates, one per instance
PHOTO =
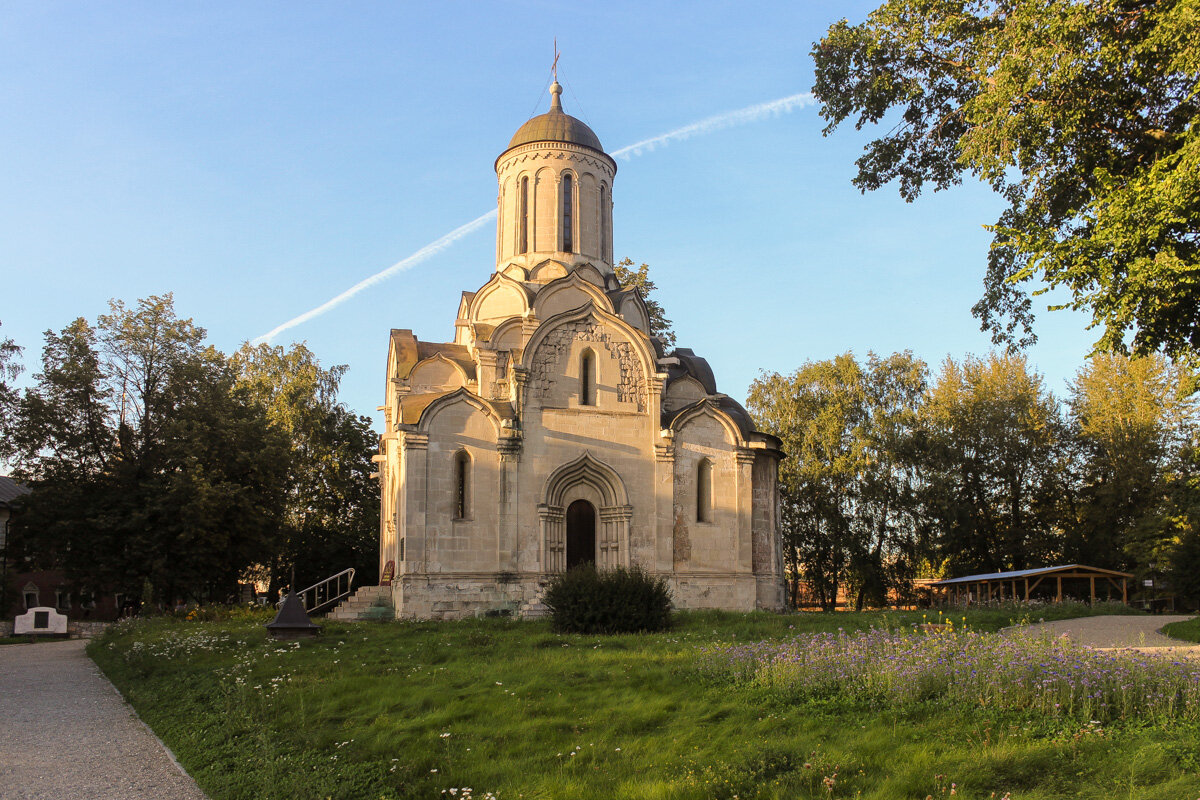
(693, 365)
(425, 407)
(455, 353)
(722, 405)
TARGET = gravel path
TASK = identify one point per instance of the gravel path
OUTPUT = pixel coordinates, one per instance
(70, 736)
(1140, 632)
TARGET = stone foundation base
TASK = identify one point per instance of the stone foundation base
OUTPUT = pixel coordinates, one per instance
(772, 595)
(727, 593)
(451, 596)
(458, 596)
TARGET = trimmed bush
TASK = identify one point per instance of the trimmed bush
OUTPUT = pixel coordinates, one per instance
(618, 600)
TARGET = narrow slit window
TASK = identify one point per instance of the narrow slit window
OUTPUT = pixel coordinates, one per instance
(704, 491)
(462, 487)
(523, 217)
(604, 225)
(587, 378)
(568, 212)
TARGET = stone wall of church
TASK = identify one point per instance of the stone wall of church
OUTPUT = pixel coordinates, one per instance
(391, 494)
(615, 427)
(457, 596)
(767, 546)
(706, 543)
(728, 592)
(620, 375)
(437, 535)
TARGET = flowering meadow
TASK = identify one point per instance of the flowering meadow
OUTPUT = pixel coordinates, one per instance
(723, 706)
(1015, 671)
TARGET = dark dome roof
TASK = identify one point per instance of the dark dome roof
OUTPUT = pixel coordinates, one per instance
(555, 126)
(694, 365)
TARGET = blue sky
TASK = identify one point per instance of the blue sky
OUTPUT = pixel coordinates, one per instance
(257, 159)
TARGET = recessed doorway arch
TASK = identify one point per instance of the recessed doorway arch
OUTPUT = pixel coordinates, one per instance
(581, 534)
(604, 504)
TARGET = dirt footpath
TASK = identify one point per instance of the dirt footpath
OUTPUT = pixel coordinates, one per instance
(1141, 632)
(72, 737)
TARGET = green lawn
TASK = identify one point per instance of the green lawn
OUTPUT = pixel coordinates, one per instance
(1188, 630)
(398, 710)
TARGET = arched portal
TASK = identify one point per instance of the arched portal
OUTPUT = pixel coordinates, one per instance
(585, 516)
(581, 533)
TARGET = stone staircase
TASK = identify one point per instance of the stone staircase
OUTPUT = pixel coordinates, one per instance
(367, 603)
(535, 609)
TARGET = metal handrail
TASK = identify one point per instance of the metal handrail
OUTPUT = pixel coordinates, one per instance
(327, 592)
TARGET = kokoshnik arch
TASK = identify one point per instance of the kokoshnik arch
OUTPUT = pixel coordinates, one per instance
(555, 430)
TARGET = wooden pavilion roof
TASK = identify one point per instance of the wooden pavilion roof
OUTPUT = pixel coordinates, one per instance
(1070, 570)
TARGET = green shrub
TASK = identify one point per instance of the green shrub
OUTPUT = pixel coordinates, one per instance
(619, 600)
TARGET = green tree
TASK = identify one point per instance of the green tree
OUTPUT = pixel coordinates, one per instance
(146, 464)
(992, 436)
(1083, 114)
(141, 351)
(10, 369)
(1185, 558)
(1132, 419)
(1167, 543)
(891, 483)
(639, 279)
(848, 487)
(66, 424)
(330, 515)
(814, 412)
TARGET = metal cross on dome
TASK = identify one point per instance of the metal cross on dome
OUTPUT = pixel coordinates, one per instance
(554, 66)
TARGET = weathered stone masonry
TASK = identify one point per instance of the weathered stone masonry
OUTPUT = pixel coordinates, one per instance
(555, 429)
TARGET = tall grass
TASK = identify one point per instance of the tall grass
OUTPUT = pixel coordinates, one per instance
(363, 711)
(1020, 671)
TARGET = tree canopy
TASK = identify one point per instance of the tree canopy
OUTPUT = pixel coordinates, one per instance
(847, 491)
(145, 463)
(10, 368)
(154, 458)
(893, 475)
(330, 508)
(1133, 420)
(1083, 114)
(992, 433)
(639, 279)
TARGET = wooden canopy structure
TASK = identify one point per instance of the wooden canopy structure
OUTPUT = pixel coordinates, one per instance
(1020, 584)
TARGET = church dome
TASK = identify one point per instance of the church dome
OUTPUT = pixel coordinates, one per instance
(555, 126)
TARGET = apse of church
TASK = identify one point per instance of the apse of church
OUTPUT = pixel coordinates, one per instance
(555, 430)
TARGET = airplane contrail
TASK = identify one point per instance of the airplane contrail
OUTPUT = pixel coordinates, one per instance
(729, 119)
(425, 252)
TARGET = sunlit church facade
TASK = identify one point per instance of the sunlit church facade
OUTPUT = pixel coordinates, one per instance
(555, 430)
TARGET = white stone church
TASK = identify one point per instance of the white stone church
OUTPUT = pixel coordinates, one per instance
(554, 430)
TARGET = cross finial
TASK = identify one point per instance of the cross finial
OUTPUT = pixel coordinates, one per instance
(554, 66)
